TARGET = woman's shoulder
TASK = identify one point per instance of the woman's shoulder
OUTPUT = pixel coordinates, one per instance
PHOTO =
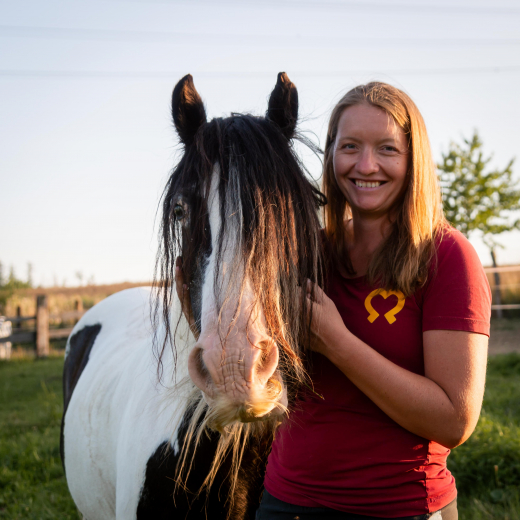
(456, 295)
(456, 265)
(453, 248)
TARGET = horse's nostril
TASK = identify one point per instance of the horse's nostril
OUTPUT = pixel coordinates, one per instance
(200, 363)
(264, 357)
(197, 369)
(268, 359)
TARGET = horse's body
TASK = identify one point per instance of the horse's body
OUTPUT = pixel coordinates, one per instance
(138, 442)
(124, 430)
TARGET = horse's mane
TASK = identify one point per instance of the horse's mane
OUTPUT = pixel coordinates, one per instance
(263, 184)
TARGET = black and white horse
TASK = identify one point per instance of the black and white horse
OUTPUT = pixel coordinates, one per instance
(159, 423)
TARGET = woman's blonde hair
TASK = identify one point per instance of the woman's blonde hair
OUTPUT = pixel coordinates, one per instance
(401, 263)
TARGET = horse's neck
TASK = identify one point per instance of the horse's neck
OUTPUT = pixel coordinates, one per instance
(174, 358)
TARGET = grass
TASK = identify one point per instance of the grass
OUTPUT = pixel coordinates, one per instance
(487, 466)
(32, 483)
(33, 486)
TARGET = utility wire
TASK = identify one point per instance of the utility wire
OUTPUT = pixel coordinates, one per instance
(73, 74)
(232, 39)
(383, 8)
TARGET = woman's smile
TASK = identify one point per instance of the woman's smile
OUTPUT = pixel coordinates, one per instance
(367, 184)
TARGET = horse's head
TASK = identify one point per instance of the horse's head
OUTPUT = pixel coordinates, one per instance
(243, 215)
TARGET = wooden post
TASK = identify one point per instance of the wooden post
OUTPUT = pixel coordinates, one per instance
(42, 326)
(18, 324)
(78, 306)
(498, 289)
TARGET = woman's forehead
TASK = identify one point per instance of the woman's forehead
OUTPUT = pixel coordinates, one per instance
(368, 121)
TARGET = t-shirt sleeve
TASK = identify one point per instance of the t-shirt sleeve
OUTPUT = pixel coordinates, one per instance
(457, 296)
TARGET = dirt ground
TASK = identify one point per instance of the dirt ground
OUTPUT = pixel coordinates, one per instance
(505, 336)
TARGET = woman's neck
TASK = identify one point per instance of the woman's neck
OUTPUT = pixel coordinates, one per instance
(365, 236)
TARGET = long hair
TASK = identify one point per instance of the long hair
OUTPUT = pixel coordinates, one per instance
(401, 262)
(262, 185)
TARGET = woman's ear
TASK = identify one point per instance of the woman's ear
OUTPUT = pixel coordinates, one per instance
(283, 105)
(187, 109)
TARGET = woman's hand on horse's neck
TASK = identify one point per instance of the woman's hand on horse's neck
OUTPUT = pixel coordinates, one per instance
(364, 237)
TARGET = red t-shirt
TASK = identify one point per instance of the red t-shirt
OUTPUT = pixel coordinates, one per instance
(342, 451)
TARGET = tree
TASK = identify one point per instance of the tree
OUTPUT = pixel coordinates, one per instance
(30, 274)
(477, 199)
(9, 286)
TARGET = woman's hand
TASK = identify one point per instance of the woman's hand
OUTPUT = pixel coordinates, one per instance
(183, 292)
(327, 323)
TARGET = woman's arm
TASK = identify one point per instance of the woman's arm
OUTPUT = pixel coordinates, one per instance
(443, 405)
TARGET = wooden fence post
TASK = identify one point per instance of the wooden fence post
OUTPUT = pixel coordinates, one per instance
(78, 306)
(498, 289)
(42, 326)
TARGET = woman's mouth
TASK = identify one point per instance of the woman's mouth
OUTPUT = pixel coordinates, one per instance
(367, 184)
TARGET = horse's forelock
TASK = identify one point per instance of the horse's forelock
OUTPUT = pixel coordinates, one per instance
(280, 230)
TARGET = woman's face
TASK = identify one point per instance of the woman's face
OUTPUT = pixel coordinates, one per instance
(370, 160)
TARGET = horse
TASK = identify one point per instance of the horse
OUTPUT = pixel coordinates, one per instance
(163, 420)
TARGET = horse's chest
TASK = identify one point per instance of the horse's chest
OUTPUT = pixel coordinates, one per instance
(160, 499)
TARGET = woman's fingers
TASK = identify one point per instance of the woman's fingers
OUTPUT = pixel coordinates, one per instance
(313, 302)
(314, 292)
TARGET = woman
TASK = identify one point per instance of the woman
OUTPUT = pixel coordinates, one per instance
(401, 332)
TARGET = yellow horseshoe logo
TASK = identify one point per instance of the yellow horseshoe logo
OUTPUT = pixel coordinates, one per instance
(390, 315)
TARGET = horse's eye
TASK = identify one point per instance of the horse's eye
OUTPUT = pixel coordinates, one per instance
(179, 212)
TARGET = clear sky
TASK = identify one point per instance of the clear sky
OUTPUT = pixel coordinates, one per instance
(86, 141)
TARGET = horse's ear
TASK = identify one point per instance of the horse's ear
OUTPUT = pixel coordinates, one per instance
(187, 109)
(283, 105)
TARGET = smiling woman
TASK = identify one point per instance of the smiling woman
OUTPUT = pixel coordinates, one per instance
(395, 142)
(400, 332)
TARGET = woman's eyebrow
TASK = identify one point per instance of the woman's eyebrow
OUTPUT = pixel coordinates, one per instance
(348, 138)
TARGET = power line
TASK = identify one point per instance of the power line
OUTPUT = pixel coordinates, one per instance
(233, 39)
(387, 9)
(72, 74)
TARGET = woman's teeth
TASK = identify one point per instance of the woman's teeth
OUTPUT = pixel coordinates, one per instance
(364, 184)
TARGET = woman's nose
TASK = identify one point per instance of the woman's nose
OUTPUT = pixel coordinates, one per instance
(367, 163)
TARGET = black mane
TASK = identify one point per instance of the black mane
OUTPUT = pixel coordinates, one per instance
(272, 193)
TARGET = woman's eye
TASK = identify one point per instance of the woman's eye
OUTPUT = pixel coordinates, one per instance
(349, 146)
(390, 149)
(179, 212)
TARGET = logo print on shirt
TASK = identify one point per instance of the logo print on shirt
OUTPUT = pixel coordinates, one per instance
(390, 315)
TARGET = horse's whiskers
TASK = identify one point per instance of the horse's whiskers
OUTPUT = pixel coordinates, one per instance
(234, 433)
(222, 412)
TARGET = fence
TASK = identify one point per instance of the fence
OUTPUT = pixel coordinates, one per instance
(505, 287)
(504, 282)
(42, 333)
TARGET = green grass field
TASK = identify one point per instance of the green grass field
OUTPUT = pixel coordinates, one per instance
(32, 484)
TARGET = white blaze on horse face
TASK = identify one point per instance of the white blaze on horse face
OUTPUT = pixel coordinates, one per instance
(235, 357)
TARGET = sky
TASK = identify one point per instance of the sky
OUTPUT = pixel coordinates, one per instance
(86, 138)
